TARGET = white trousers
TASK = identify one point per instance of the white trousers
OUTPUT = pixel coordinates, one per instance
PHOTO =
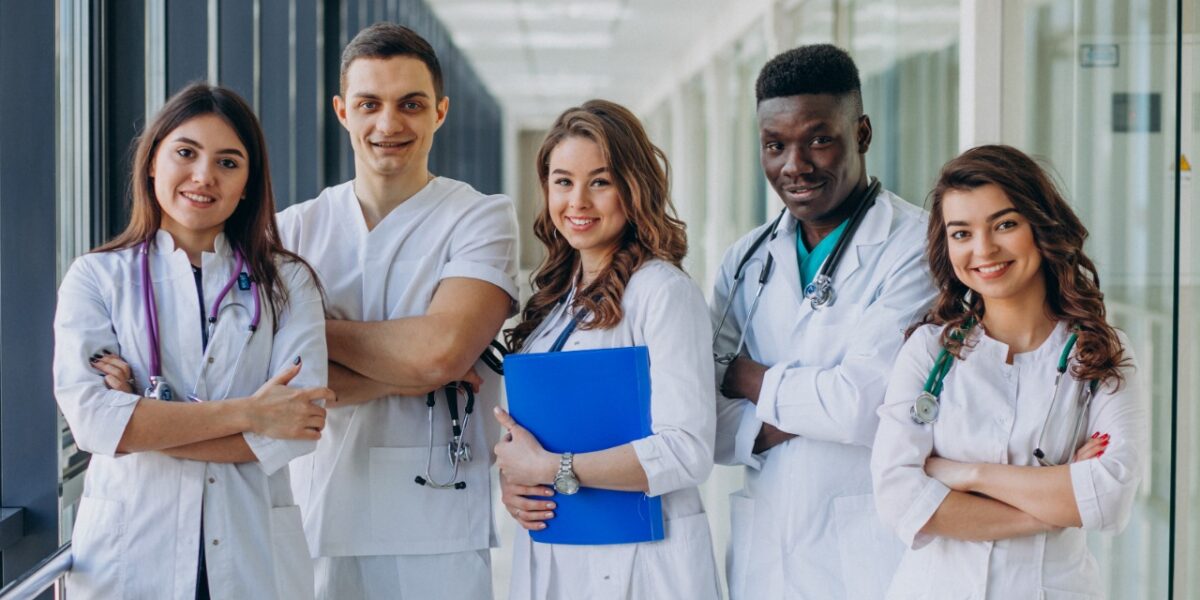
(456, 576)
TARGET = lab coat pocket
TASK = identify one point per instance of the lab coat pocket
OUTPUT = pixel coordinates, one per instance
(98, 547)
(292, 561)
(869, 553)
(428, 520)
(741, 534)
(680, 566)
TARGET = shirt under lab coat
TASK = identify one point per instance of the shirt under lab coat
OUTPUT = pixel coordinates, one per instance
(992, 412)
(137, 532)
(357, 489)
(665, 311)
(804, 526)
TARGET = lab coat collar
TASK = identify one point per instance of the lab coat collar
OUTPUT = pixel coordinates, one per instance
(164, 243)
(997, 351)
(874, 229)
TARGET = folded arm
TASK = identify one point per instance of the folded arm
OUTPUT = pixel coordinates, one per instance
(838, 403)
(968, 517)
(419, 354)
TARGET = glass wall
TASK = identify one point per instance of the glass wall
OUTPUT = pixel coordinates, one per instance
(1187, 334)
(1091, 88)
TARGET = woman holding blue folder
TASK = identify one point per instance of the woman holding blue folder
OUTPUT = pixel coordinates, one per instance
(611, 279)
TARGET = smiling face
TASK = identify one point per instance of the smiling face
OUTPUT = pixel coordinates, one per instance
(200, 171)
(991, 245)
(813, 153)
(391, 111)
(583, 200)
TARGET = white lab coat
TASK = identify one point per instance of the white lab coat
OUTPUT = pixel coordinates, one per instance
(804, 526)
(992, 412)
(137, 532)
(357, 489)
(665, 311)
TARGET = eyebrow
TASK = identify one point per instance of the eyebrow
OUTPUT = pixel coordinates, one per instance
(566, 172)
(808, 129)
(374, 96)
(191, 142)
(991, 217)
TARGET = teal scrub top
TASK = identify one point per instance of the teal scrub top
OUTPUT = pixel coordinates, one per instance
(810, 262)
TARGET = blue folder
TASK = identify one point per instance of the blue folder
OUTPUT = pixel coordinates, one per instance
(585, 401)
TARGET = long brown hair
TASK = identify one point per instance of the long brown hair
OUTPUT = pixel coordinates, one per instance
(1072, 283)
(251, 229)
(641, 174)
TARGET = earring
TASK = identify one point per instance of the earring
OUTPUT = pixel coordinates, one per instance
(966, 302)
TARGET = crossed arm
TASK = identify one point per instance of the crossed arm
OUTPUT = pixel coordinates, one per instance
(412, 356)
(994, 501)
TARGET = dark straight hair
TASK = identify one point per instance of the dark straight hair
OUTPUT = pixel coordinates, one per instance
(251, 229)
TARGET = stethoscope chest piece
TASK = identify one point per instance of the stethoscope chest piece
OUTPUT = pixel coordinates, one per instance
(458, 451)
(820, 291)
(925, 409)
(158, 389)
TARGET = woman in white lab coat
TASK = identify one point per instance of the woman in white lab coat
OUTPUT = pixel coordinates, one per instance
(175, 345)
(993, 473)
(613, 253)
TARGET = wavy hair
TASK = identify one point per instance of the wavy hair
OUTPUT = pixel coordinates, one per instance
(251, 229)
(641, 174)
(1072, 283)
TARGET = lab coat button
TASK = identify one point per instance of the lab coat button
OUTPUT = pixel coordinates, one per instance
(211, 359)
(216, 542)
(212, 479)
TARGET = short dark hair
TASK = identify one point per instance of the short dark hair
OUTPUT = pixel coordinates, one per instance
(814, 69)
(385, 40)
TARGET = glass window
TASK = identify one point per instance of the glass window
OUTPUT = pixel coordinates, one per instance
(1187, 426)
(1098, 104)
(907, 55)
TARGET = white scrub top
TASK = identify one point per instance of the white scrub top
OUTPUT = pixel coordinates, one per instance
(137, 532)
(992, 412)
(357, 489)
(665, 311)
(804, 525)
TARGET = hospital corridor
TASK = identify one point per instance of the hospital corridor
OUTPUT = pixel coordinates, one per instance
(735, 194)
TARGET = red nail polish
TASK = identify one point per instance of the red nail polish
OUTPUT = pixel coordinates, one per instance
(1095, 435)
(1099, 454)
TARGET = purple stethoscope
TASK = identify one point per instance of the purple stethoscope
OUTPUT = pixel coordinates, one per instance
(158, 388)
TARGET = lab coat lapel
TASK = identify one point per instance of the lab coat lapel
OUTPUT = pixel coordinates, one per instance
(871, 231)
(178, 314)
(783, 250)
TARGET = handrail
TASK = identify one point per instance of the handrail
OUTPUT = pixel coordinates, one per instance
(41, 577)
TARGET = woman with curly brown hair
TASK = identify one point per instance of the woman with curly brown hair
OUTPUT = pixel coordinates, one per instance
(612, 270)
(1013, 420)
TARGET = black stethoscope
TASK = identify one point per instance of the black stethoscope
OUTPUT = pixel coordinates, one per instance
(926, 407)
(158, 387)
(819, 292)
(458, 451)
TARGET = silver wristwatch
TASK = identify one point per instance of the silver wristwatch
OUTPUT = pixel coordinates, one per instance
(565, 481)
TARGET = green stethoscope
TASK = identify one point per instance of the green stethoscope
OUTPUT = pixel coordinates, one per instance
(925, 409)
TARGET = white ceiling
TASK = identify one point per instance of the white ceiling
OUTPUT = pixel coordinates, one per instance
(539, 57)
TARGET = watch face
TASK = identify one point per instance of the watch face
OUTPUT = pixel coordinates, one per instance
(566, 485)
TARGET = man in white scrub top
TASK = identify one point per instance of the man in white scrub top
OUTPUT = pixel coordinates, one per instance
(798, 402)
(419, 275)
